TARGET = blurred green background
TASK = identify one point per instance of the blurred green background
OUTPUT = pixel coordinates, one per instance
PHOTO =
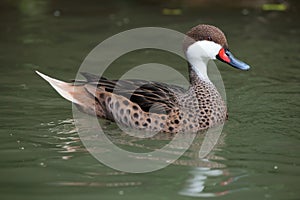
(41, 153)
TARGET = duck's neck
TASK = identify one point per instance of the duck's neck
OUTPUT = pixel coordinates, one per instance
(198, 71)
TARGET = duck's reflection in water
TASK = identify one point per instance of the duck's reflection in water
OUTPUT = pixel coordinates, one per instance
(210, 182)
(208, 177)
(69, 142)
(195, 186)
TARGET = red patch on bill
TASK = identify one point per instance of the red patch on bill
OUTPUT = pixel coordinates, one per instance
(223, 55)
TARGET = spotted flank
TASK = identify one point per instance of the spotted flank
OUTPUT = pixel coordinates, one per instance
(154, 106)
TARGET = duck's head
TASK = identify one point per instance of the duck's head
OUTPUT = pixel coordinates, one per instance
(206, 42)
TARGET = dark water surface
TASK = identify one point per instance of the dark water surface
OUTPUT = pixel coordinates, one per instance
(42, 156)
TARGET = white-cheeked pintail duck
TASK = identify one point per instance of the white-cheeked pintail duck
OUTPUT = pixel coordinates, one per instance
(155, 106)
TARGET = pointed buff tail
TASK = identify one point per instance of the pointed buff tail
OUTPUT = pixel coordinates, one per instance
(77, 94)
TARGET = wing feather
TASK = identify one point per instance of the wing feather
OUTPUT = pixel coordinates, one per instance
(151, 96)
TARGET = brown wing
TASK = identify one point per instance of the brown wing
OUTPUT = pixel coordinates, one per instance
(149, 95)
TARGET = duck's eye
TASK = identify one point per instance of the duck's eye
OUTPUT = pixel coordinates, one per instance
(209, 38)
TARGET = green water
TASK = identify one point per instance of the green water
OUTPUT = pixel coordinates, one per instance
(42, 156)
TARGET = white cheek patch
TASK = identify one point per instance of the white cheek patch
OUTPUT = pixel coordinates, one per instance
(198, 55)
(203, 49)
